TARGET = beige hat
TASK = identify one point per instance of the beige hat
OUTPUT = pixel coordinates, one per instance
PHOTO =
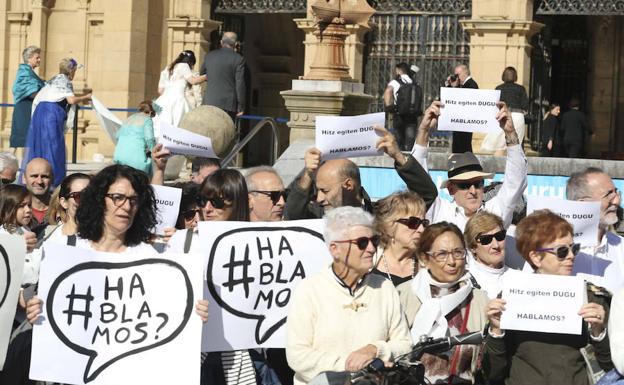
(464, 166)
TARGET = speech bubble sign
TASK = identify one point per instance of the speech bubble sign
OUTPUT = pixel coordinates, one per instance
(252, 271)
(5, 275)
(108, 310)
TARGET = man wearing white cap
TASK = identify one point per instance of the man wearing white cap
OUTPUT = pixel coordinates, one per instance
(466, 176)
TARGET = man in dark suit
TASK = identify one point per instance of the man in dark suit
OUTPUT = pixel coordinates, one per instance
(225, 71)
(575, 129)
(462, 141)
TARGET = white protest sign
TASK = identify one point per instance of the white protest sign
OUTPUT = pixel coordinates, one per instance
(543, 303)
(252, 270)
(183, 142)
(583, 216)
(468, 110)
(126, 318)
(12, 252)
(167, 206)
(108, 121)
(348, 136)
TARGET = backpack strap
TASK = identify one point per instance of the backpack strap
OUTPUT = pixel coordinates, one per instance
(187, 240)
(71, 240)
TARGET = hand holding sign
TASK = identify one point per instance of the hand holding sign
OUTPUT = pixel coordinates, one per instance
(348, 136)
(389, 145)
(470, 110)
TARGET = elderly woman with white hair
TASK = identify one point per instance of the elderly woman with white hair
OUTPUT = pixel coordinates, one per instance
(343, 317)
(27, 85)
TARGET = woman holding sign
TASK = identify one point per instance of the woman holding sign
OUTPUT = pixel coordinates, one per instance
(441, 301)
(117, 213)
(521, 357)
(400, 220)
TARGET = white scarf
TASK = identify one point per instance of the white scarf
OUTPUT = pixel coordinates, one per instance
(431, 317)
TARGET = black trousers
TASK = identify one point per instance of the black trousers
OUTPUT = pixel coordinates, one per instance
(405, 128)
(462, 142)
(574, 150)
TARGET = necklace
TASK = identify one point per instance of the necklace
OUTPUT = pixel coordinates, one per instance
(388, 269)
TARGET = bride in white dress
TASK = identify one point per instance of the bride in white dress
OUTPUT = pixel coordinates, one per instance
(171, 105)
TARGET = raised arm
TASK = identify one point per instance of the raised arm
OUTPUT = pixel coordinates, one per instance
(301, 188)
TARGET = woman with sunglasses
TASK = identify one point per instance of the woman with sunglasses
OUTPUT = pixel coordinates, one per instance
(116, 214)
(189, 212)
(441, 301)
(399, 220)
(342, 317)
(222, 197)
(546, 242)
(485, 238)
(63, 206)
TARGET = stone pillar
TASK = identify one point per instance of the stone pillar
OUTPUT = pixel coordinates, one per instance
(189, 27)
(500, 33)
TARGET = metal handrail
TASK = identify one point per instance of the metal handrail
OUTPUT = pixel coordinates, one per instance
(272, 123)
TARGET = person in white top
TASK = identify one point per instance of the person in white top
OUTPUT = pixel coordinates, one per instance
(343, 317)
(174, 81)
(602, 264)
(466, 176)
(404, 123)
(485, 239)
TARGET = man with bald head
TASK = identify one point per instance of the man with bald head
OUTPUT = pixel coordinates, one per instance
(337, 182)
(267, 196)
(225, 70)
(38, 179)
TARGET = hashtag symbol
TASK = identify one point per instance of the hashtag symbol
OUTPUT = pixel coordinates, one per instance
(245, 279)
(86, 314)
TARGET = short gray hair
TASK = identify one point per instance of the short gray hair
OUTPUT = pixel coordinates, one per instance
(229, 39)
(29, 51)
(8, 160)
(250, 172)
(576, 187)
(339, 220)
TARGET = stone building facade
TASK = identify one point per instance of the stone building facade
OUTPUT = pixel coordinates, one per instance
(560, 49)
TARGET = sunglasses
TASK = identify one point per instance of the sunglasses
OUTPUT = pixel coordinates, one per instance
(362, 242)
(413, 222)
(486, 239)
(189, 214)
(216, 202)
(467, 185)
(75, 195)
(274, 195)
(120, 199)
(562, 251)
(6, 181)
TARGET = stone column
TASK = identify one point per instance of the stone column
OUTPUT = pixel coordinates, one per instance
(500, 33)
(189, 27)
(39, 28)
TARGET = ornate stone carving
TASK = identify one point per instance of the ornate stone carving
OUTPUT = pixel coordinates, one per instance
(581, 7)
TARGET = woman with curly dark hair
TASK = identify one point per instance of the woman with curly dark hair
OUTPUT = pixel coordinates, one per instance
(117, 213)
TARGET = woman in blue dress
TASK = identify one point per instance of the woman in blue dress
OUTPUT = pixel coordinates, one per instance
(46, 136)
(135, 139)
(25, 88)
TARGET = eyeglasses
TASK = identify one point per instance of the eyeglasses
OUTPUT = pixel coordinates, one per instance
(6, 181)
(562, 251)
(216, 202)
(442, 255)
(413, 222)
(466, 185)
(75, 195)
(274, 195)
(362, 242)
(120, 199)
(486, 239)
(189, 214)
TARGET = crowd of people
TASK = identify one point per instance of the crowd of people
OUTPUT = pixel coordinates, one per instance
(409, 265)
